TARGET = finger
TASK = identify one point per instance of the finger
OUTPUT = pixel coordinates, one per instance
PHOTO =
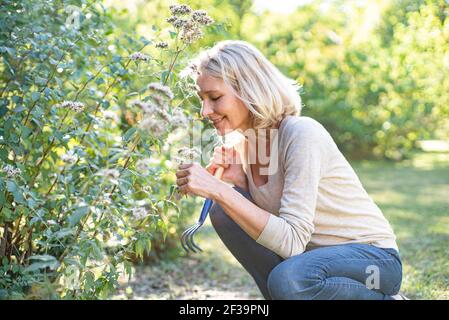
(182, 181)
(183, 189)
(211, 167)
(221, 161)
(182, 173)
(185, 166)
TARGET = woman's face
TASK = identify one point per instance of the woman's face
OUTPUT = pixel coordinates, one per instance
(221, 106)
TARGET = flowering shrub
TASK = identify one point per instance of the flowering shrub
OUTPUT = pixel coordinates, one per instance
(84, 185)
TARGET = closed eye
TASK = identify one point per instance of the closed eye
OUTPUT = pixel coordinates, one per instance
(215, 99)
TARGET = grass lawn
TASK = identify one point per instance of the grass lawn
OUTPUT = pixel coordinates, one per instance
(414, 196)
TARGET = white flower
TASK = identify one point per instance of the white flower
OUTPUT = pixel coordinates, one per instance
(164, 115)
(69, 157)
(109, 173)
(159, 100)
(178, 119)
(190, 70)
(191, 32)
(110, 115)
(11, 171)
(161, 45)
(73, 105)
(180, 9)
(140, 212)
(171, 19)
(201, 17)
(106, 199)
(186, 155)
(155, 127)
(165, 90)
(139, 56)
(146, 107)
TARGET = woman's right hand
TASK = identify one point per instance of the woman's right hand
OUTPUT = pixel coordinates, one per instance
(229, 159)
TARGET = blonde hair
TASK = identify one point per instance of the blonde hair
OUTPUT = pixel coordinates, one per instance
(266, 92)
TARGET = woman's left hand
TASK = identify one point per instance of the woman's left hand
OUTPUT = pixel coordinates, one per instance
(193, 179)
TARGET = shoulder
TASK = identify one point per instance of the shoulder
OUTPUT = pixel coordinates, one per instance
(300, 128)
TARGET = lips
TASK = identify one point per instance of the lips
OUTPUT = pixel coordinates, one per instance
(216, 121)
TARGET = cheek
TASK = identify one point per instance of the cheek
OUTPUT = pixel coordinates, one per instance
(234, 109)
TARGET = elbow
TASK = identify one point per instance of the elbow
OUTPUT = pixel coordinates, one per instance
(299, 239)
(293, 251)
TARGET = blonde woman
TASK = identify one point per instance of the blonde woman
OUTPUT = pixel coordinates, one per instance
(297, 219)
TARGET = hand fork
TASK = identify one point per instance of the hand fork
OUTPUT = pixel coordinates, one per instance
(187, 236)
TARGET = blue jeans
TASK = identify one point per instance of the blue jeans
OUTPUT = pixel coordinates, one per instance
(349, 271)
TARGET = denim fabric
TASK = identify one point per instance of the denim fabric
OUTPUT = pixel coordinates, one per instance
(349, 271)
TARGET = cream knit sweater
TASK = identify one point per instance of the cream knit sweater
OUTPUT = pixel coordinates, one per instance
(314, 196)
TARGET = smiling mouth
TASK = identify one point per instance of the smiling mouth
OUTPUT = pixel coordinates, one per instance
(215, 122)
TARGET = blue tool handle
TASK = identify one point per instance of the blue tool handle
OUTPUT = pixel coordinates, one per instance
(208, 202)
(206, 207)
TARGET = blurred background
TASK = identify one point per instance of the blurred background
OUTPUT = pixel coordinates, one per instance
(375, 73)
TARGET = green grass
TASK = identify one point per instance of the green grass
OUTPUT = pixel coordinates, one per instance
(414, 196)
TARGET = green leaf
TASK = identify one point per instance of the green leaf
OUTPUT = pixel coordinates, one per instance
(44, 261)
(77, 215)
(129, 134)
(98, 254)
(172, 34)
(16, 192)
(64, 233)
(35, 96)
(3, 110)
(11, 186)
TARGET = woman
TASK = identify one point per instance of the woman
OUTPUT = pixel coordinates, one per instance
(299, 220)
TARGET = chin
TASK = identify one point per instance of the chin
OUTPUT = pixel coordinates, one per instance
(224, 128)
(224, 131)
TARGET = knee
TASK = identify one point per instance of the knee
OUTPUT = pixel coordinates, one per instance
(288, 283)
(217, 216)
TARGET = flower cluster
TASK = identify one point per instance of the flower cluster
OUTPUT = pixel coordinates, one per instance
(111, 115)
(73, 105)
(11, 171)
(201, 17)
(147, 107)
(140, 213)
(186, 155)
(190, 29)
(191, 70)
(69, 157)
(159, 88)
(180, 9)
(139, 56)
(161, 45)
(178, 119)
(109, 173)
(152, 125)
(191, 32)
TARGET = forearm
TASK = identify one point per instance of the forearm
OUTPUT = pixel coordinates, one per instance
(246, 214)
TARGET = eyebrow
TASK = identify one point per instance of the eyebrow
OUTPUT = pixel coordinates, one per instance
(198, 92)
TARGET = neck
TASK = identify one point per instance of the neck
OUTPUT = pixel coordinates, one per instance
(259, 145)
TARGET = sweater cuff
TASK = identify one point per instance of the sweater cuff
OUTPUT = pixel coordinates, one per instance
(268, 235)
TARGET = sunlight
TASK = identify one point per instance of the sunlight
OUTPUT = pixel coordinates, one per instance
(280, 6)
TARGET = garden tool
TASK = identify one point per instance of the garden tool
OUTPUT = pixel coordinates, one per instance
(187, 236)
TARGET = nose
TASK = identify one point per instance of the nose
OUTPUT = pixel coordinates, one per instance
(206, 110)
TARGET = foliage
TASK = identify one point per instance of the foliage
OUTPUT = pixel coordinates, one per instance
(84, 183)
(374, 75)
